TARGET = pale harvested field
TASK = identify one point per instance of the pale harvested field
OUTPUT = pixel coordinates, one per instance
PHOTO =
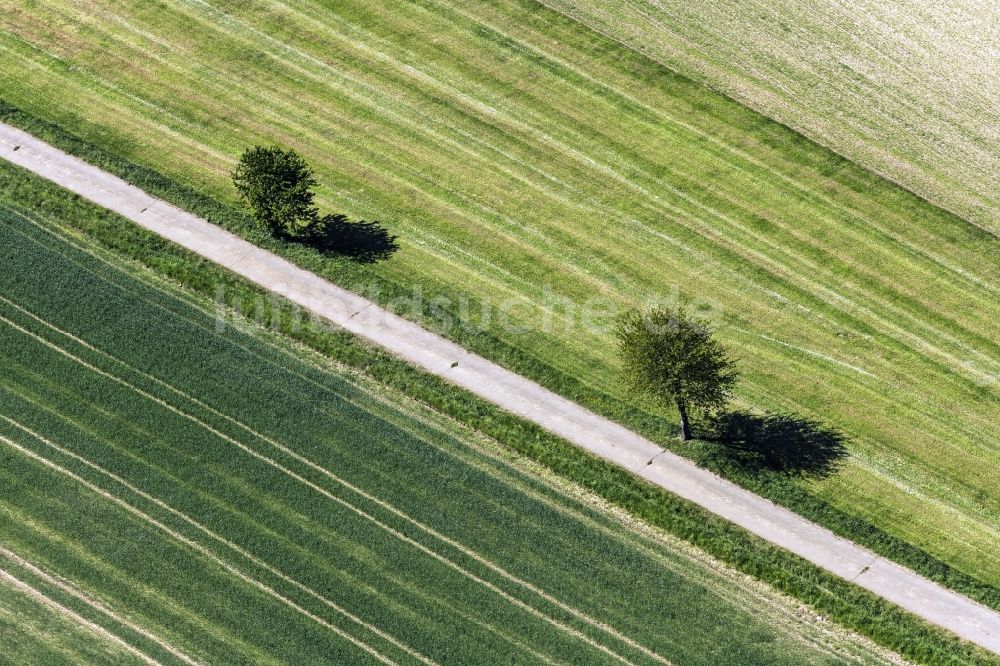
(513, 149)
(907, 88)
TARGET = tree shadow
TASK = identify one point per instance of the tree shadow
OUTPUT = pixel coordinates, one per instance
(777, 443)
(363, 241)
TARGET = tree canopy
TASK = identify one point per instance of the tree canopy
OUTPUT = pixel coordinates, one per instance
(277, 186)
(671, 357)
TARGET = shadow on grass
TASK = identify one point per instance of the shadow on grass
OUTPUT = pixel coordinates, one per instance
(774, 443)
(362, 241)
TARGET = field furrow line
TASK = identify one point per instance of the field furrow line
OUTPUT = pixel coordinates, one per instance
(433, 599)
(229, 544)
(179, 537)
(75, 617)
(542, 658)
(90, 601)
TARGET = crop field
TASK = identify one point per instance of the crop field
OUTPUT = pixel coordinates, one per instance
(905, 88)
(519, 154)
(174, 491)
(36, 630)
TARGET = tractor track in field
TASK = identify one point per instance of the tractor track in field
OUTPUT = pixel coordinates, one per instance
(26, 589)
(96, 605)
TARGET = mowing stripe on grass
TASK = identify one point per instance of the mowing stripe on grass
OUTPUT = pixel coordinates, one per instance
(857, 76)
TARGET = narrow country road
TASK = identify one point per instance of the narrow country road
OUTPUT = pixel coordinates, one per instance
(512, 392)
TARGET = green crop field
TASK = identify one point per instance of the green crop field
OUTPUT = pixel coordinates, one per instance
(36, 630)
(518, 153)
(176, 490)
(906, 88)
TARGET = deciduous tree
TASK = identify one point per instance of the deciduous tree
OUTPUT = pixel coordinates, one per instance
(673, 358)
(277, 185)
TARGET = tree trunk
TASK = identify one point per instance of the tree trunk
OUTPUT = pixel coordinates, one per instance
(685, 424)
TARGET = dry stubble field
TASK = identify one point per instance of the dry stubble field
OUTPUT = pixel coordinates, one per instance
(906, 88)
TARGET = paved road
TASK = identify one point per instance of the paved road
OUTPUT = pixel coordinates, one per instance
(514, 393)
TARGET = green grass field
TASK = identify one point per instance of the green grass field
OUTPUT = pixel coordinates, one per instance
(906, 88)
(219, 495)
(513, 150)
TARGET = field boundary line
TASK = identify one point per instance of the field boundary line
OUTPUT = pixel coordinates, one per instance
(524, 398)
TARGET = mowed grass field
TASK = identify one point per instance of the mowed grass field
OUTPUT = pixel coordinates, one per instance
(176, 492)
(906, 88)
(518, 153)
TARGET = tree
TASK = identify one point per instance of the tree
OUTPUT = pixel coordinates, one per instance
(277, 186)
(671, 357)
